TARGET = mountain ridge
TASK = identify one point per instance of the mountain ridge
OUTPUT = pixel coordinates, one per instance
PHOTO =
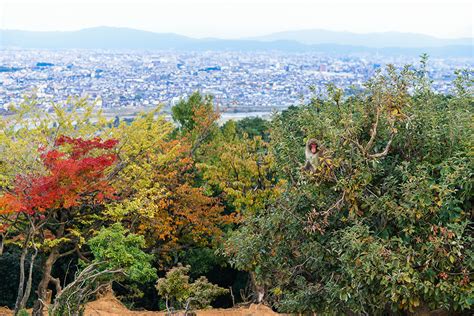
(372, 39)
(105, 37)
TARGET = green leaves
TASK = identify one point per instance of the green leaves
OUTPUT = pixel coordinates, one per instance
(391, 228)
(176, 287)
(115, 248)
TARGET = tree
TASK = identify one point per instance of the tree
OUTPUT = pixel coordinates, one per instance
(179, 293)
(242, 168)
(118, 255)
(18, 136)
(183, 113)
(385, 223)
(242, 172)
(160, 197)
(253, 126)
(58, 202)
(196, 119)
(81, 183)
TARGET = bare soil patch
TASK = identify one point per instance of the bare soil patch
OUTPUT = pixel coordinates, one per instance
(109, 305)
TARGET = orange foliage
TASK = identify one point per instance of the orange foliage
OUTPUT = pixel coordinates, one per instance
(71, 177)
(184, 214)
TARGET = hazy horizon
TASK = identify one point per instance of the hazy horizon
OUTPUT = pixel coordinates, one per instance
(231, 19)
(246, 37)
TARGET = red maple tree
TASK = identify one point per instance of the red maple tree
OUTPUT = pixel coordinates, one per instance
(55, 204)
(72, 176)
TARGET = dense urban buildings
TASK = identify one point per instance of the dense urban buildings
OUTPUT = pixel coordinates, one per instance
(240, 81)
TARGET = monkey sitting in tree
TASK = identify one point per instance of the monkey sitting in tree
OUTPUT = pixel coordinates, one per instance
(312, 153)
(319, 160)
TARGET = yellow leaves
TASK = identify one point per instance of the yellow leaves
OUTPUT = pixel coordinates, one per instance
(30, 127)
(74, 232)
(326, 166)
(408, 303)
(243, 169)
(157, 186)
(277, 291)
(144, 132)
(406, 278)
(415, 302)
(452, 259)
(51, 243)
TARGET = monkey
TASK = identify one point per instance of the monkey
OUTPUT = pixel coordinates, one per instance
(319, 161)
(312, 153)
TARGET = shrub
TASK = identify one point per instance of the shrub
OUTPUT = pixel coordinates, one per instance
(179, 293)
(117, 256)
(386, 223)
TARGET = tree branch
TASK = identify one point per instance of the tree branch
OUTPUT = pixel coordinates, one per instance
(373, 132)
(385, 151)
(67, 253)
(57, 284)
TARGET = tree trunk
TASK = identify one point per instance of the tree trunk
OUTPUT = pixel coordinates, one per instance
(43, 285)
(21, 283)
(29, 282)
(259, 290)
(2, 243)
(47, 268)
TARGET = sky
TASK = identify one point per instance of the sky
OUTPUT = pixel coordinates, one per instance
(243, 18)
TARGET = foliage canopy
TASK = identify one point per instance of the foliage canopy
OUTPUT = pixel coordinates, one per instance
(385, 222)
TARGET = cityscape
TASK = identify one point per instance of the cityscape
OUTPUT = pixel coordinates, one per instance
(241, 82)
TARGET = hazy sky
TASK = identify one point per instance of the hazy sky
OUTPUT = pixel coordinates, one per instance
(242, 18)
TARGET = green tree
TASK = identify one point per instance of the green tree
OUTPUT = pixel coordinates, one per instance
(180, 293)
(253, 126)
(242, 169)
(118, 256)
(385, 222)
(183, 113)
(116, 248)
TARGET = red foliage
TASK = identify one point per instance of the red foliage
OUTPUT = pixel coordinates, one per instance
(74, 176)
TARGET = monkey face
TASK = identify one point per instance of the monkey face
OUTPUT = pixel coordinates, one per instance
(313, 147)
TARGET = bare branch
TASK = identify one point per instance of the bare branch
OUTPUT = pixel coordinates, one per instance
(385, 151)
(373, 132)
(57, 284)
(67, 253)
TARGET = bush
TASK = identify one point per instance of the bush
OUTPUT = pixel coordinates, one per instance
(385, 223)
(181, 294)
(118, 255)
(23, 312)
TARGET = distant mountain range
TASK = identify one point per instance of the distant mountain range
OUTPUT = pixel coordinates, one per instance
(390, 43)
(373, 40)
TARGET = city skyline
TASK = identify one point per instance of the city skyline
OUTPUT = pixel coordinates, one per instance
(243, 19)
(241, 82)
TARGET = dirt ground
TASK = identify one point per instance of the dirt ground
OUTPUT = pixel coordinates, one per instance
(109, 305)
(5, 311)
